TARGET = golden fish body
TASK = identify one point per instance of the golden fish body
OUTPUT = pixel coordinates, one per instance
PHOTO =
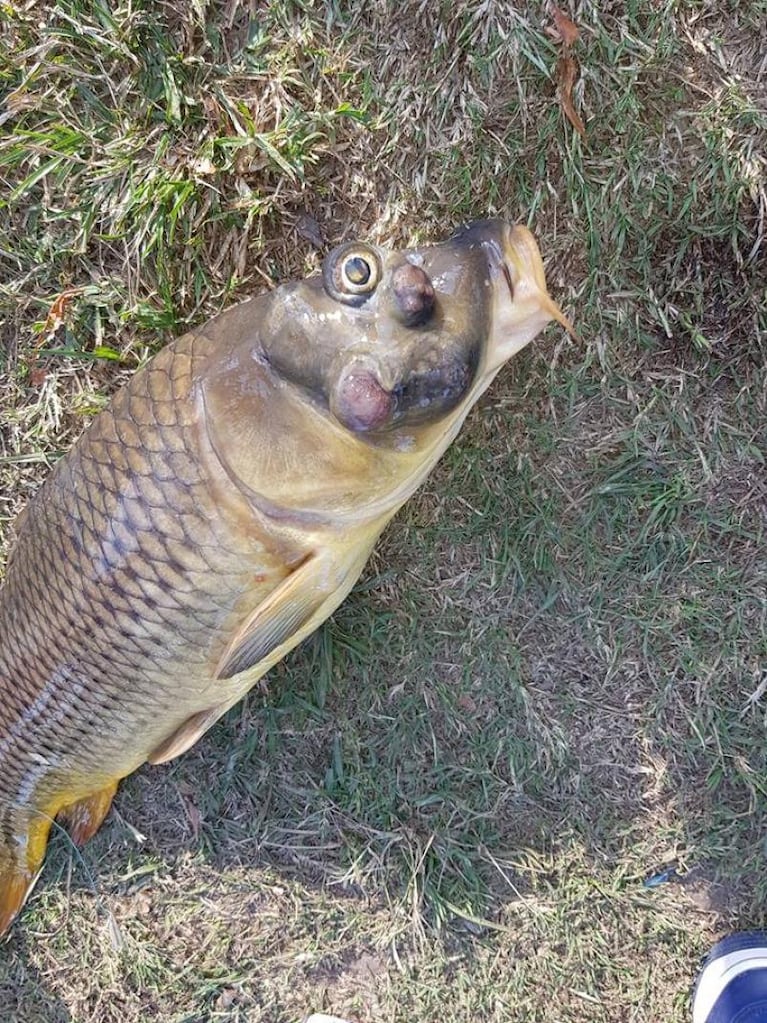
(224, 505)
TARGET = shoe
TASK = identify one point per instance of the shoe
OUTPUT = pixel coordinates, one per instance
(732, 986)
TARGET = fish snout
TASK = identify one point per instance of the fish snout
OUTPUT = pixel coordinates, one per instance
(521, 305)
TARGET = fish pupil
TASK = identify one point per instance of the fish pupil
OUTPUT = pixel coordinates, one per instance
(357, 270)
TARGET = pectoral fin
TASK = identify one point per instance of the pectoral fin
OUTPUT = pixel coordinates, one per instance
(18, 876)
(284, 612)
(312, 590)
(279, 617)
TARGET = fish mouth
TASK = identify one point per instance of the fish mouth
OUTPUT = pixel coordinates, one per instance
(523, 252)
(523, 305)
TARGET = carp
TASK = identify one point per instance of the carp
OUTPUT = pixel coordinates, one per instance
(224, 505)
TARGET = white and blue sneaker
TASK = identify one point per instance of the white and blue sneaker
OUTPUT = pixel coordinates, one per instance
(732, 986)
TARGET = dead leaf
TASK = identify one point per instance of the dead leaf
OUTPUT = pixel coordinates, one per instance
(191, 811)
(57, 314)
(37, 375)
(227, 998)
(203, 166)
(465, 702)
(567, 73)
(565, 29)
(309, 229)
(59, 306)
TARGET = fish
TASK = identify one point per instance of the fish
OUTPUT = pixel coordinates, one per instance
(223, 506)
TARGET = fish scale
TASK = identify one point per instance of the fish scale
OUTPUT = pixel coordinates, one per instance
(223, 506)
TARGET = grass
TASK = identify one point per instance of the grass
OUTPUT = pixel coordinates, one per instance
(549, 685)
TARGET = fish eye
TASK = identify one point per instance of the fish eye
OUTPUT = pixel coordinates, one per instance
(356, 272)
(351, 273)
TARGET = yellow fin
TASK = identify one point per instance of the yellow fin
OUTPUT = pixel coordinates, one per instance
(84, 818)
(18, 879)
(15, 886)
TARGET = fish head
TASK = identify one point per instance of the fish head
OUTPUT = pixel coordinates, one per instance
(336, 395)
(394, 342)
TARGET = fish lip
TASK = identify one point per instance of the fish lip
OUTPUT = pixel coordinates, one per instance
(524, 272)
